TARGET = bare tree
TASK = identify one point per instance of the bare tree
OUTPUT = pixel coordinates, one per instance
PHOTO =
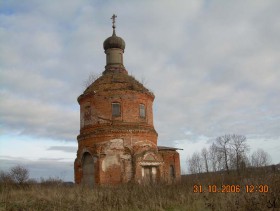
(91, 78)
(214, 157)
(194, 162)
(226, 152)
(260, 158)
(19, 174)
(244, 162)
(223, 147)
(191, 165)
(205, 158)
(239, 147)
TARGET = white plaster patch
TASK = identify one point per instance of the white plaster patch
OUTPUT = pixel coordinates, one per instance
(144, 143)
(116, 144)
(109, 161)
(126, 157)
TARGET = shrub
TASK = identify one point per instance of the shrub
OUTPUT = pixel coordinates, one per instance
(19, 174)
(6, 178)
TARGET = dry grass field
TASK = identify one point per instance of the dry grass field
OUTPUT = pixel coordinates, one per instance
(57, 196)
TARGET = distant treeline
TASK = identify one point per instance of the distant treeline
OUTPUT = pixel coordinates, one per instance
(227, 153)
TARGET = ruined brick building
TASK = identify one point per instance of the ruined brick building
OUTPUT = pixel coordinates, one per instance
(117, 141)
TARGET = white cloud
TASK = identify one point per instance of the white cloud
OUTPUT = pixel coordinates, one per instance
(38, 119)
(36, 149)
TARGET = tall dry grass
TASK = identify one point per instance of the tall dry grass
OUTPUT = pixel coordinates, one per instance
(55, 196)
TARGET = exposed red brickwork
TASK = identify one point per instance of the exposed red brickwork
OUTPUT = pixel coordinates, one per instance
(120, 149)
(171, 160)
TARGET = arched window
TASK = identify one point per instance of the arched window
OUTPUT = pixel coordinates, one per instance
(172, 171)
(116, 109)
(142, 111)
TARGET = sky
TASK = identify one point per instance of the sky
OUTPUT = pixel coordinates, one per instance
(214, 67)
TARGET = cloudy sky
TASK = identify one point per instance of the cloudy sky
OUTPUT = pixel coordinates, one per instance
(214, 67)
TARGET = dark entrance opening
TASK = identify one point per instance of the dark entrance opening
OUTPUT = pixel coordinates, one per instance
(149, 174)
(172, 174)
(88, 170)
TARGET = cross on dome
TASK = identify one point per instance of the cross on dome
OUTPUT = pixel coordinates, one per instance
(114, 41)
(114, 20)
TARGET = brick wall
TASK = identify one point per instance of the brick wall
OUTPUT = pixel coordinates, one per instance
(120, 145)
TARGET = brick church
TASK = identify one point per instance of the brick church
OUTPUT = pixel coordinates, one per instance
(117, 141)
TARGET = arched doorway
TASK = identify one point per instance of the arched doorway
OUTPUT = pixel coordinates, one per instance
(88, 170)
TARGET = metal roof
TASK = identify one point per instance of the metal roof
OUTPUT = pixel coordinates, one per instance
(168, 148)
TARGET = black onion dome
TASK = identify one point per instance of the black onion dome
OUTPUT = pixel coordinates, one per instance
(114, 42)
